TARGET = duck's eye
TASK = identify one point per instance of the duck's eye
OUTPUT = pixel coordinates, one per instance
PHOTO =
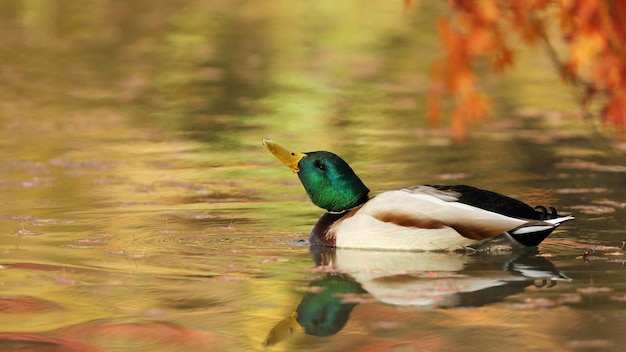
(320, 165)
(293, 154)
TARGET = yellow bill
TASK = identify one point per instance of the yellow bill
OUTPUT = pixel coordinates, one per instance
(283, 330)
(289, 158)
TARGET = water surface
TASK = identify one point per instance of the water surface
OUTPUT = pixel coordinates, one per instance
(139, 211)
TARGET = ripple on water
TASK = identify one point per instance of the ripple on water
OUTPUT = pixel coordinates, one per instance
(110, 334)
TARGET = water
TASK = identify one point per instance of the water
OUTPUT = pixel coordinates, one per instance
(139, 211)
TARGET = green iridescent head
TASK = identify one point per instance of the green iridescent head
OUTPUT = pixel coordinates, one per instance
(328, 180)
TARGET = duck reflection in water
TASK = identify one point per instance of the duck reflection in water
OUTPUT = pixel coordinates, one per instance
(423, 280)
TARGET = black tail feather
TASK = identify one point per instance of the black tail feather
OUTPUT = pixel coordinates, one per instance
(532, 239)
(542, 213)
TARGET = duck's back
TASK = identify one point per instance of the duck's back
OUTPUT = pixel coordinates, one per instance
(418, 218)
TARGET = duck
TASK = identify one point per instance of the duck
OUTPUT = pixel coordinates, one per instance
(415, 218)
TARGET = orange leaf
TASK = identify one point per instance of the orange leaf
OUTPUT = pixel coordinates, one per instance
(615, 109)
(433, 106)
(478, 41)
(462, 83)
(457, 124)
(586, 48)
(473, 107)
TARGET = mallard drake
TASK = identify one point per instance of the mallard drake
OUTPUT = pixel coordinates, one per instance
(426, 217)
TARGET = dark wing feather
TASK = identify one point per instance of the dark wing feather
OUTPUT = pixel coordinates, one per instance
(491, 201)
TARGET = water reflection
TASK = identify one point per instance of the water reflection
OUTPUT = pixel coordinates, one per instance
(423, 280)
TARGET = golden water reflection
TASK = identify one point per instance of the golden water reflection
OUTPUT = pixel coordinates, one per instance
(139, 211)
(419, 280)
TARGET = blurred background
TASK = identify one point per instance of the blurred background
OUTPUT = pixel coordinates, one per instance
(138, 209)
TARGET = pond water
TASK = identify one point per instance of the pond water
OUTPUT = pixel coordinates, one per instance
(139, 210)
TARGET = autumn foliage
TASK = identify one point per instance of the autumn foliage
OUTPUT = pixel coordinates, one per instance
(593, 33)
